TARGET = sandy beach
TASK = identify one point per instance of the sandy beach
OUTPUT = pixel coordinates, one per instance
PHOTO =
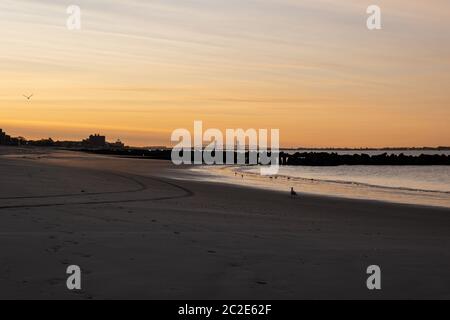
(138, 231)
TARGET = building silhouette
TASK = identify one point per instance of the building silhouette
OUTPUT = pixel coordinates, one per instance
(117, 145)
(4, 138)
(95, 141)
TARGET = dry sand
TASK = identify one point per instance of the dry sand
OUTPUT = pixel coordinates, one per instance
(138, 233)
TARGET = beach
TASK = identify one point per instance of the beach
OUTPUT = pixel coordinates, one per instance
(145, 229)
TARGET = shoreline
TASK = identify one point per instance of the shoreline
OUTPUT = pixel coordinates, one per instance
(326, 188)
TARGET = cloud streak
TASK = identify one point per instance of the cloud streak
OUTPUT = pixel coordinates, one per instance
(307, 59)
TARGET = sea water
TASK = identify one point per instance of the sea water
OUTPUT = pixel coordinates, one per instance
(423, 185)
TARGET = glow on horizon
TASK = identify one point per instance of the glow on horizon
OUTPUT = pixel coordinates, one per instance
(139, 69)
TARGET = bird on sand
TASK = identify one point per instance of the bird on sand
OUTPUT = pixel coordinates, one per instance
(28, 97)
(293, 193)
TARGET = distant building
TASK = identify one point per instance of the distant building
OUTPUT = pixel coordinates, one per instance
(155, 148)
(95, 141)
(4, 138)
(118, 145)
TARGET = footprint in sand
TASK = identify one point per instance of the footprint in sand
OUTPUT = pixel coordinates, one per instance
(53, 249)
(55, 281)
(71, 242)
(65, 262)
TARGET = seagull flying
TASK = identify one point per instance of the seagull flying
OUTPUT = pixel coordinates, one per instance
(28, 97)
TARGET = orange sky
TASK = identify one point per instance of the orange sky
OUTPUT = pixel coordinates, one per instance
(139, 69)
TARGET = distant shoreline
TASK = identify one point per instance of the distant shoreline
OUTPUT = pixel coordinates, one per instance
(99, 141)
(305, 158)
(309, 157)
(372, 149)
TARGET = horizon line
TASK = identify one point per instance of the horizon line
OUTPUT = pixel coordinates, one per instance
(281, 148)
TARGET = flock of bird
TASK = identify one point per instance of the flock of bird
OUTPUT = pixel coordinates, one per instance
(293, 192)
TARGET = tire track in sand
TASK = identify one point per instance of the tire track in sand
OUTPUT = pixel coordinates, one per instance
(186, 194)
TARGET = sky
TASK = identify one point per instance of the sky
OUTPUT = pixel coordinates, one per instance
(139, 69)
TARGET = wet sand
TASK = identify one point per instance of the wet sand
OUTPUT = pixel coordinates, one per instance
(137, 232)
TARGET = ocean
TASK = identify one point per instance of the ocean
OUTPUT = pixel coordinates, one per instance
(422, 185)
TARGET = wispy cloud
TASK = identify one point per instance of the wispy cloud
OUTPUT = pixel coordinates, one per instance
(227, 59)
